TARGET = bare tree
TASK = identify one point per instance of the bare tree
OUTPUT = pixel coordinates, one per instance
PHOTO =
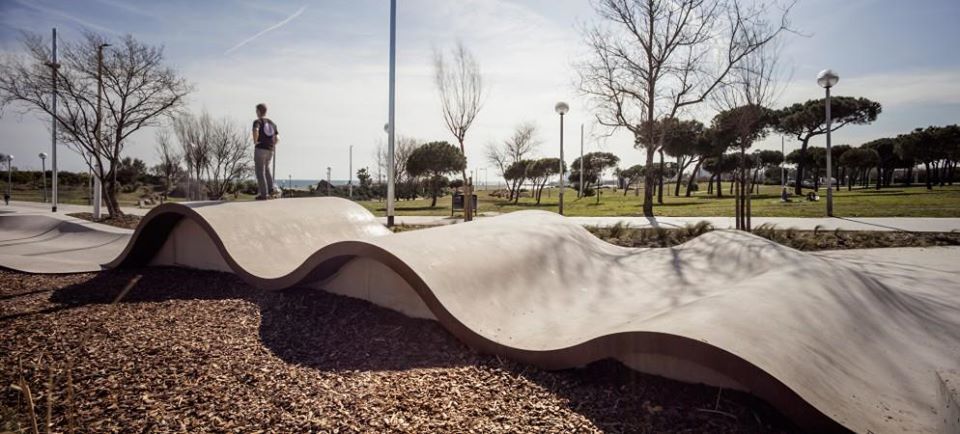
(216, 153)
(460, 85)
(169, 167)
(194, 134)
(744, 102)
(523, 142)
(229, 159)
(401, 153)
(137, 90)
(652, 59)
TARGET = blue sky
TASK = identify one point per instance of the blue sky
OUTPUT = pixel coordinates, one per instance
(322, 68)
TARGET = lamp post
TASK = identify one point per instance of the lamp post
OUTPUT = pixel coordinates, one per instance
(391, 124)
(561, 108)
(53, 128)
(97, 184)
(350, 175)
(43, 173)
(827, 79)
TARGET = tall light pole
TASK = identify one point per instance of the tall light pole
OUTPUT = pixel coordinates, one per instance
(561, 108)
(43, 173)
(97, 184)
(827, 79)
(391, 124)
(54, 66)
(350, 175)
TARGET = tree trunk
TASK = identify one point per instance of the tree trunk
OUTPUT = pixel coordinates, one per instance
(798, 184)
(660, 180)
(110, 194)
(879, 177)
(648, 186)
(693, 176)
(680, 167)
(719, 184)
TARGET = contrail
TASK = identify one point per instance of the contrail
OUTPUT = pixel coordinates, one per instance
(268, 29)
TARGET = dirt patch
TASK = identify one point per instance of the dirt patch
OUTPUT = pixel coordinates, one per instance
(189, 351)
(126, 221)
(626, 236)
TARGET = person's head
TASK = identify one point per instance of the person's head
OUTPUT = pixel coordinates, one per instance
(261, 110)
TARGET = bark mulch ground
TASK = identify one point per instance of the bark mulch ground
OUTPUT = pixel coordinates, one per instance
(623, 235)
(127, 221)
(173, 350)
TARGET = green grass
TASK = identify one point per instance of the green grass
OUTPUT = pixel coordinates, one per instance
(887, 202)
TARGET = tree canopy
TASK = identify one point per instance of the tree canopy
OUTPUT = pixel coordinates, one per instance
(434, 160)
(807, 120)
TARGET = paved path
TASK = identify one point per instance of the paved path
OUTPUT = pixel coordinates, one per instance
(63, 208)
(911, 224)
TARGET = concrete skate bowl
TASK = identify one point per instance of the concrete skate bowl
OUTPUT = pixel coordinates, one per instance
(41, 244)
(830, 345)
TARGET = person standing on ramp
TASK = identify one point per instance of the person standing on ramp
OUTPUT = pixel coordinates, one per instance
(265, 138)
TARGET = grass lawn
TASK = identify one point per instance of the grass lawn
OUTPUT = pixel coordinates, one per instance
(888, 202)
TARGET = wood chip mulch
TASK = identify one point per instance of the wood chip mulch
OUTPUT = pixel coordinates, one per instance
(126, 221)
(173, 350)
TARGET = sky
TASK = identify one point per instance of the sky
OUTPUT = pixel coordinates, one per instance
(321, 66)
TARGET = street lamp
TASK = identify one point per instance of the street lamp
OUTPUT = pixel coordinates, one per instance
(350, 175)
(43, 173)
(561, 108)
(827, 79)
(328, 180)
(391, 112)
(54, 66)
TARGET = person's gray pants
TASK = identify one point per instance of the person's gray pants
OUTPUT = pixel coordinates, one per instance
(261, 166)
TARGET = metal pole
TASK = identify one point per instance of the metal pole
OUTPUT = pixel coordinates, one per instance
(391, 119)
(53, 129)
(350, 174)
(43, 176)
(561, 163)
(9, 171)
(328, 181)
(829, 169)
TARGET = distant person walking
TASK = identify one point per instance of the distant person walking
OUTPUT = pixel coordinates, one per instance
(265, 140)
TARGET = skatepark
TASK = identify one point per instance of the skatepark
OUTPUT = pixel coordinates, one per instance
(863, 340)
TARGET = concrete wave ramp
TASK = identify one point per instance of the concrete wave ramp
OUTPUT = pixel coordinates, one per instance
(832, 342)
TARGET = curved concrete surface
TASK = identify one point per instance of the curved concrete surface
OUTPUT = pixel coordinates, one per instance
(835, 342)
